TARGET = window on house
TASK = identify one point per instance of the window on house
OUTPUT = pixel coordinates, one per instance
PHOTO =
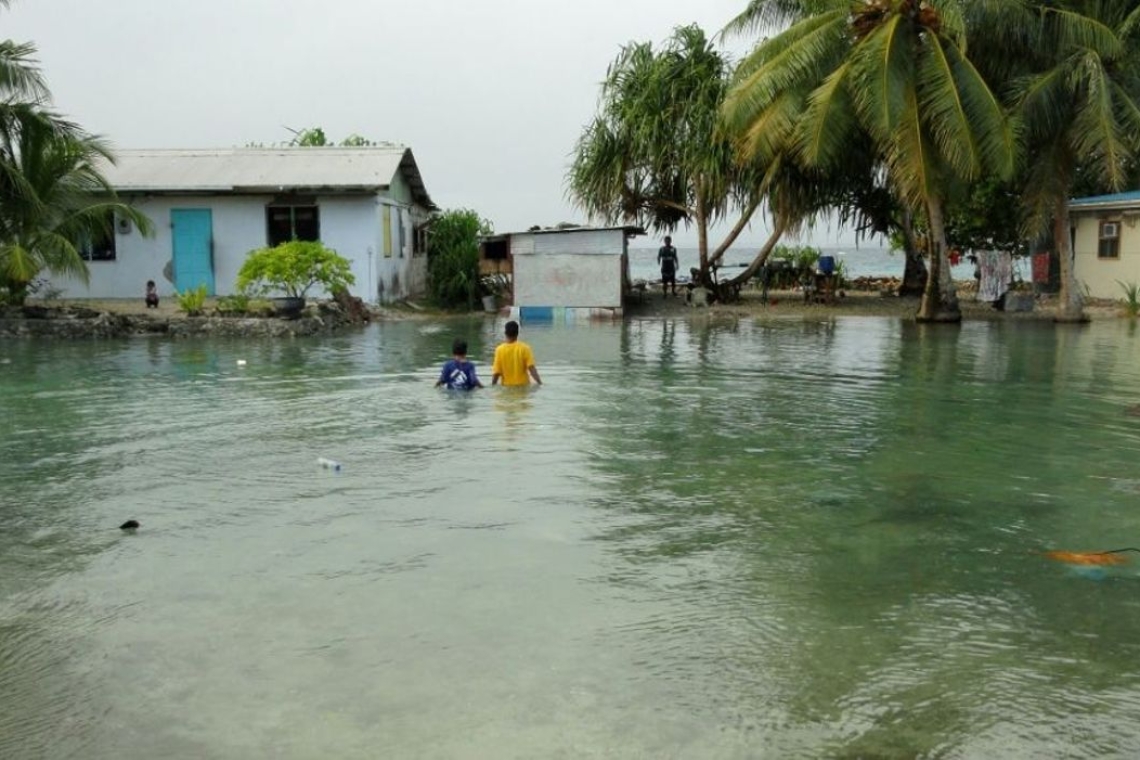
(285, 223)
(419, 239)
(1108, 244)
(102, 246)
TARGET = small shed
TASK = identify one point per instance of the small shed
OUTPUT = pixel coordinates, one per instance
(572, 271)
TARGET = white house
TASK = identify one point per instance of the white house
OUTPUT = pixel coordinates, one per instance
(564, 272)
(210, 208)
(1106, 242)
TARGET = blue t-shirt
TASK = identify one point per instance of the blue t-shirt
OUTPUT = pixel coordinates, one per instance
(459, 376)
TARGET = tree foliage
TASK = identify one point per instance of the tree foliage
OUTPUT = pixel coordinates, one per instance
(315, 137)
(894, 72)
(654, 155)
(986, 218)
(293, 268)
(1078, 95)
(53, 196)
(453, 257)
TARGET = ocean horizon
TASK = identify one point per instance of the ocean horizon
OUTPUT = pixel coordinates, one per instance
(858, 262)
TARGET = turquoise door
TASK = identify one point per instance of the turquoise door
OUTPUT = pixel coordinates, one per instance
(193, 236)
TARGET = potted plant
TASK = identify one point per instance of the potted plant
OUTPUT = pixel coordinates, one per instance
(292, 268)
(493, 288)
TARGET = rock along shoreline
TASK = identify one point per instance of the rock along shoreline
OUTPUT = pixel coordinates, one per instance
(71, 322)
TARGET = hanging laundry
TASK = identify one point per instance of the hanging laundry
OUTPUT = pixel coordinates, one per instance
(996, 268)
(1041, 267)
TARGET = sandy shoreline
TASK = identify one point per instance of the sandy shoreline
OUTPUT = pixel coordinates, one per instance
(790, 304)
(780, 304)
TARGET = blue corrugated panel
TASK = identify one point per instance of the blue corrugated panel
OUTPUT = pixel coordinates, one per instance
(536, 313)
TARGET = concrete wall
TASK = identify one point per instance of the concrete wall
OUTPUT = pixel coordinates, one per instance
(576, 268)
(589, 242)
(349, 224)
(568, 279)
(1099, 275)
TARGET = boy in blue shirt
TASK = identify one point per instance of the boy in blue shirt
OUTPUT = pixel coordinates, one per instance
(458, 374)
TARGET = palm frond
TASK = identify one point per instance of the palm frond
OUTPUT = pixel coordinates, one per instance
(1096, 135)
(883, 75)
(769, 16)
(1065, 29)
(828, 122)
(20, 76)
(798, 59)
(966, 120)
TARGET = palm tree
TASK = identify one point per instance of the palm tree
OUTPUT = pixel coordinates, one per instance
(53, 198)
(1081, 113)
(654, 155)
(893, 71)
(63, 202)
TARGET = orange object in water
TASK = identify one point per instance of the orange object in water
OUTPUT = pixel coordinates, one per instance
(1088, 558)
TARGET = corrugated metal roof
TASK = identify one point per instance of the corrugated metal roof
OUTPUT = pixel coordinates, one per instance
(1130, 198)
(246, 170)
(627, 228)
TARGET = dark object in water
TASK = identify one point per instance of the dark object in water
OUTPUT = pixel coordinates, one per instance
(130, 525)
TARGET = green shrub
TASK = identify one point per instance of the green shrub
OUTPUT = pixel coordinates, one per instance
(192, 301)
(453, 257)
(801, 262)
(292, 268)
(234, 305)
(1131, 298)
(259, 307)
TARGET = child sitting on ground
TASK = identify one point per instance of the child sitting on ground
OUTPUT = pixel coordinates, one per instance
(458, 374)
(151, 295)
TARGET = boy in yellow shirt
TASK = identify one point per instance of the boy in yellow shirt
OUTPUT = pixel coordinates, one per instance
(513, 360)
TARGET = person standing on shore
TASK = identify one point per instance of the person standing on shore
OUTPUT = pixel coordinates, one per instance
(151, 295)
(514, 360)
(667, 258)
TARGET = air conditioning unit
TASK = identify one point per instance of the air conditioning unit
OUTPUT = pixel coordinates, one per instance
(123, 225)
(1109, 230)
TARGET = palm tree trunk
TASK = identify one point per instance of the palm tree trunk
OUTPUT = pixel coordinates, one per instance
(734, 233)
(703, 239)
(939, 301)
(761, 255)
(1069, 305)
(915, 273)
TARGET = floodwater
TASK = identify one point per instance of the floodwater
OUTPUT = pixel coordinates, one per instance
(726, 539)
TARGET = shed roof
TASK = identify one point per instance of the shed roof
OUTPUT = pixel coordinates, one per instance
(629, 230)
(1128, 199)
(260, 170)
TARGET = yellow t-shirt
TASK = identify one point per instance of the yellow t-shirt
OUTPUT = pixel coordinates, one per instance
(512, 361)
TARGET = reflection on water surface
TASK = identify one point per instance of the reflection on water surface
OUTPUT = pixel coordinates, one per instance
(706, 539)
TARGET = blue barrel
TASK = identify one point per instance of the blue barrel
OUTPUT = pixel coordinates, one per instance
(827, 264)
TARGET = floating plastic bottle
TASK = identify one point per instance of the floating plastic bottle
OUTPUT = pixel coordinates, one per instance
(329, 464)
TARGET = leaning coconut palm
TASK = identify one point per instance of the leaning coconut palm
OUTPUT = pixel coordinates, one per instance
(67, 203)
(894, 71)
(654, 155)
(1082, 114)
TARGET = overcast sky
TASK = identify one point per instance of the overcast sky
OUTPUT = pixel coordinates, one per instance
(490, 94)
